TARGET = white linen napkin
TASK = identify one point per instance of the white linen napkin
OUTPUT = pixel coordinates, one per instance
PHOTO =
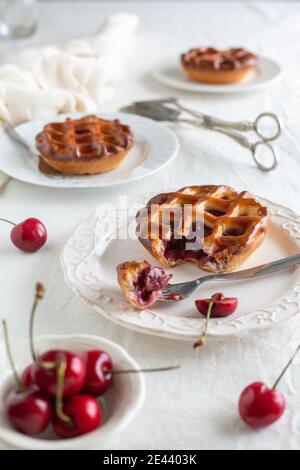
(79, 76)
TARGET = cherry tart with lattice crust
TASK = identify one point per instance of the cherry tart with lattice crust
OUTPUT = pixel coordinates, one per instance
(85, 146)
(141, 282)
(214, 227)
(210, 65)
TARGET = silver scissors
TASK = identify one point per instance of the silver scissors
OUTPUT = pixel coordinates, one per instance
(169, 109)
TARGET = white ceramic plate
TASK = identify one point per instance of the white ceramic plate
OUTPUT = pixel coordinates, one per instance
(171, 74)
(90, 257)
(120, 404)
(155, 146)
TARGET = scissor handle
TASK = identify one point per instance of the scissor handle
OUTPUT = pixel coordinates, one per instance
(257, 160)
(277, 129)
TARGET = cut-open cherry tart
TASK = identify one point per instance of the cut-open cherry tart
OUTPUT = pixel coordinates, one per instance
(215, 227)
(141, 282)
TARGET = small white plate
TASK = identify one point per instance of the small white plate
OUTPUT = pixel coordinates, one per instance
(155, 147)
(121, 403)
(170, 73)
(90, 257)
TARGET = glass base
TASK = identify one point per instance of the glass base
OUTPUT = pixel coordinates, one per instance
(17, 32)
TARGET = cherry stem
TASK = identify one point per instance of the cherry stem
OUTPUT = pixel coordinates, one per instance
(8, 222)
(39, 295)
(201, 341)
(60, 374)
(10, 358)
(137, 371)
(286, 368)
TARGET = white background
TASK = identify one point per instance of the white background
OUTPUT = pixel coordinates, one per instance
(196, 406)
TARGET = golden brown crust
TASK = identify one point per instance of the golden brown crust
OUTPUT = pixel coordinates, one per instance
(218, 77)
(84, 146)
(81, 167)
(209, 65)
(127, 272)
(233, 226)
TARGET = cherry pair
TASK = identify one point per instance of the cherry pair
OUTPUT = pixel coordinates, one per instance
(88, 372)
(75, 413)
(29, 236)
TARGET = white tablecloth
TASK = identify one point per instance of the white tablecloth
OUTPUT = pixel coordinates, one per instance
(194, 408)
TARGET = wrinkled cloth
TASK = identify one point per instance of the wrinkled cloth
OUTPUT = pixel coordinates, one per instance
(79, 76)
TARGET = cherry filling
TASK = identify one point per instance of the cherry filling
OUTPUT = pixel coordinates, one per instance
(176, 249)
(190, 248)
(233, 232)
(215, 212)
(149, 282)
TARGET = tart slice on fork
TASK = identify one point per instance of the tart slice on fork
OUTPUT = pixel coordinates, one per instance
(141, 282)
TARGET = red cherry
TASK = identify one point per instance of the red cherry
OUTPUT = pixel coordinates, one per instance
(217, 306)
(260, 406)
(28, 411)
(29, 235)
(46, 378)
(223, 307)
(85, 413)
(28, 375)
(96, 363)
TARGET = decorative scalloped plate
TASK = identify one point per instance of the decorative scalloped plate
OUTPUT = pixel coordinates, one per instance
(90, 257)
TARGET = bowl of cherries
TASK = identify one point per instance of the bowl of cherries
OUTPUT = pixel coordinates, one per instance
(67, 392)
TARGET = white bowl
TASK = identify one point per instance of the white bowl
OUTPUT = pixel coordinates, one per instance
(120, 404)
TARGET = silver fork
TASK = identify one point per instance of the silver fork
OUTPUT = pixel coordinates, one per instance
(183, 290)
(16, 137)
